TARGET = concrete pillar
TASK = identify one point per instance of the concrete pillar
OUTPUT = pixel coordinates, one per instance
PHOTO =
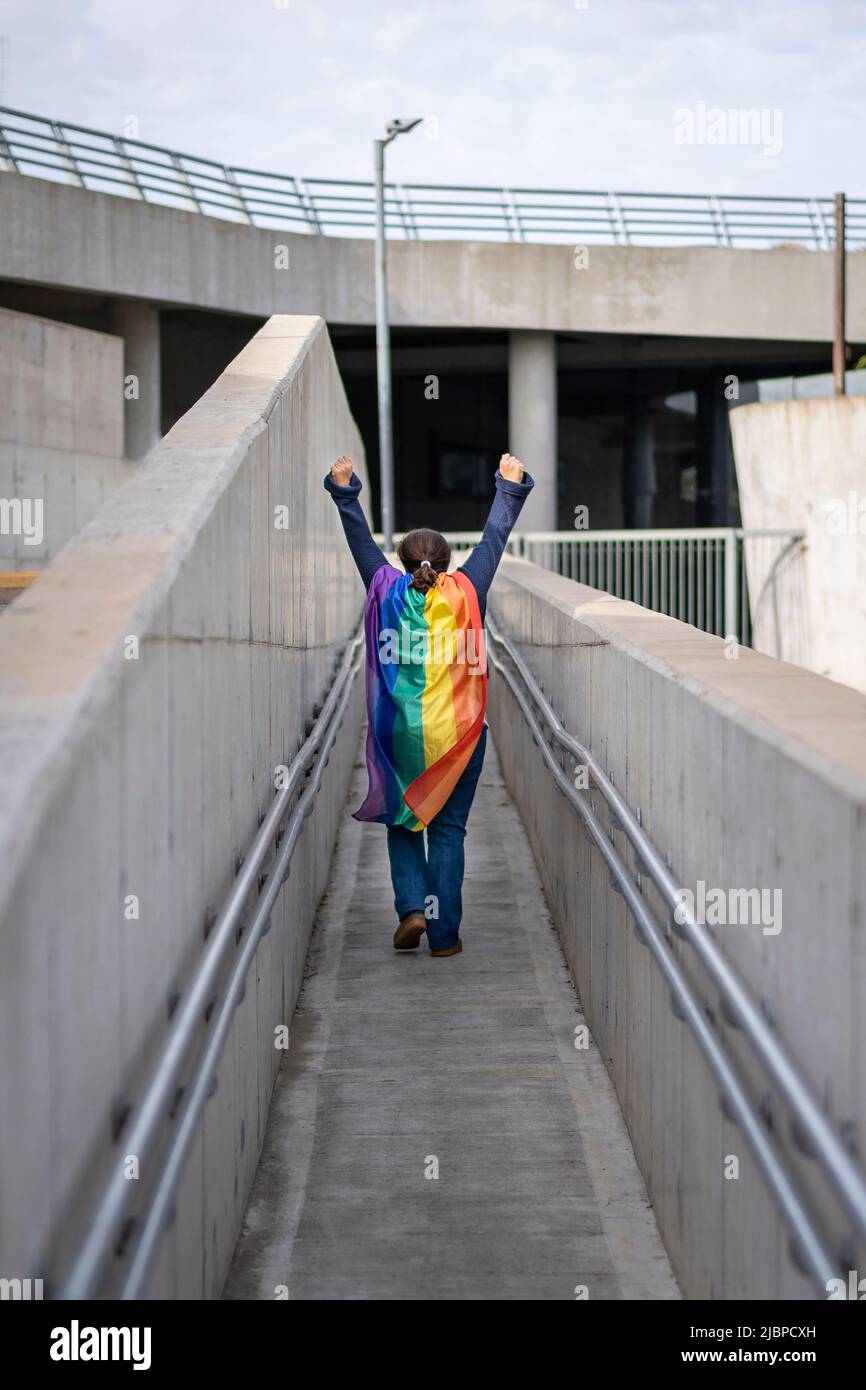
(714, 454)
(137, 323)
(639, 484)
(532, 422)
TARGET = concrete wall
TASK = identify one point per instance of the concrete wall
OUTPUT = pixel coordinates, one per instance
(148, 777)
(802, 464)
(61, 428)
(750, 773)
(62, 235)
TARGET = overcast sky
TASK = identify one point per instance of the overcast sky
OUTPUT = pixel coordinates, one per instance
(526, 92)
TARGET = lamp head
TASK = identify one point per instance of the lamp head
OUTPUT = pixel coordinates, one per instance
(402, 127)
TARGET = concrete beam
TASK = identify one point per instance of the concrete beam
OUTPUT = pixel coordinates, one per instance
(595, 351)
(61, 235)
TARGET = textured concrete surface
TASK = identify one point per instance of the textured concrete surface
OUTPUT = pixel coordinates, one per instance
(801, 464)
(532, 422)
(56, 234)
(61, 428)
(751, 774)
(152, 680)
(137, 325)
(397, 1059)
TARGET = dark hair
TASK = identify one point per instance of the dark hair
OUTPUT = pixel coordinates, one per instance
(419, 546)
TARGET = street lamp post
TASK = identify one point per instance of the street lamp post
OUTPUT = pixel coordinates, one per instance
(839, 351)
(383, 333)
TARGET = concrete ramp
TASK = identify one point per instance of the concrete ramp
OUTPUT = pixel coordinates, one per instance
(399, 1063)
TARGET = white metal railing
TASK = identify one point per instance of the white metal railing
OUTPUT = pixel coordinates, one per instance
(100, 160)
(726, 580)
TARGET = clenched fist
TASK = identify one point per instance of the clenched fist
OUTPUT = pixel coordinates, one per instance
(341, 471)
(511, 468)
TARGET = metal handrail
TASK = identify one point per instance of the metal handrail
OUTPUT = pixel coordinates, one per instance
(327, 206)
(812, 1131)
(209, 1000)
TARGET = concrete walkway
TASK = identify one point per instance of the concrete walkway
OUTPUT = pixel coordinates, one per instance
(400, 1063)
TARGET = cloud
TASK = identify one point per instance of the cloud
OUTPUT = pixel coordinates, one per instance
(524, 91)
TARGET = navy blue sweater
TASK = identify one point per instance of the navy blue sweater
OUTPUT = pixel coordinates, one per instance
(482, 563)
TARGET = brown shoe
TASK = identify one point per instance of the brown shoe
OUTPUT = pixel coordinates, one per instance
(450, 950)
(408, 935)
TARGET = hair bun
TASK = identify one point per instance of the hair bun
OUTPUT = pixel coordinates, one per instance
(424, 577)
(425, 555)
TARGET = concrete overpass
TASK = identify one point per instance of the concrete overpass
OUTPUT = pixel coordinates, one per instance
(571, 323)
(181, 709)
(69, 237)
(636, 323)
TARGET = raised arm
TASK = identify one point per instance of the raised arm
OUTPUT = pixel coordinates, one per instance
(513, 486)
(345, 487)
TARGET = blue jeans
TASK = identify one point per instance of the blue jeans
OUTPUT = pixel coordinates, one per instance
(436, 876)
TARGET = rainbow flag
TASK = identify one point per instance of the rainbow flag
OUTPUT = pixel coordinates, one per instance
(426, 693)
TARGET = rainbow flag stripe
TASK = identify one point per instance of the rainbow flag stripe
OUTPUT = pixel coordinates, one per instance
(426, 686)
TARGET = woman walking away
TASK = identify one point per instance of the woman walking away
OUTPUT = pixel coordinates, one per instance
(426, 699)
